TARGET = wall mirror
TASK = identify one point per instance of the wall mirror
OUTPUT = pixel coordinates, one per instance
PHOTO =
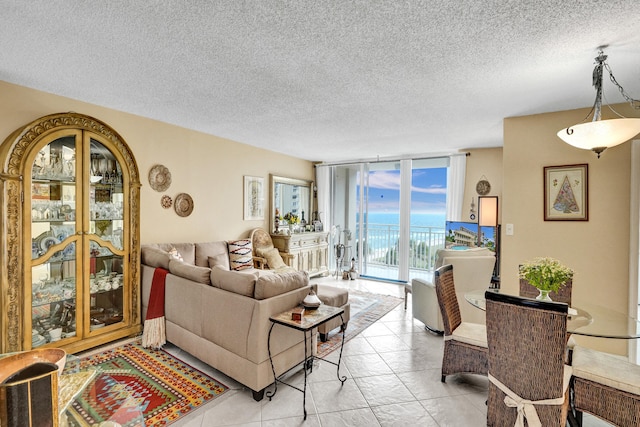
(290, 196)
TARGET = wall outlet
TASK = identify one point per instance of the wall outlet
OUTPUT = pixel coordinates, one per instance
(509, 229)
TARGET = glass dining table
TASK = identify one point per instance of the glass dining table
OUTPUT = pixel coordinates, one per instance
(591, 320)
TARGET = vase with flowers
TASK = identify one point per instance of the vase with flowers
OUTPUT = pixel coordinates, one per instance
(293, 220)
(546, 274)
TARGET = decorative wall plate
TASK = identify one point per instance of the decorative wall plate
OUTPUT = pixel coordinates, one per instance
(183, 204)
(159, 178)
(483, 187)
(166, 201)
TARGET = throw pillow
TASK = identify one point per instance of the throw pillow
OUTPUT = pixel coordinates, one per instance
(240, 254)
(204, 250)
(242, 283)
(221, 260)
(273, 257)
(270, 285)
(188, 271)
(173, 253)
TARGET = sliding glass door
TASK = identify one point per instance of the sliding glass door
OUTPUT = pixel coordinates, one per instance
(428, 211)
(390, 216)
(380, 204)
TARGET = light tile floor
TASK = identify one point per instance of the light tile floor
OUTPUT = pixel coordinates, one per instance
(393, 371)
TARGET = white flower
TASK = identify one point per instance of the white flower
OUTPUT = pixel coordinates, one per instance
(545, 273)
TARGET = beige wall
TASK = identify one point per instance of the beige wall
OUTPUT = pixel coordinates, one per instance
(211, 170)
(207, 167)
(481, 164)
(598, 249)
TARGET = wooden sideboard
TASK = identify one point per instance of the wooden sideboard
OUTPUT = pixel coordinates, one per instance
(310, 251)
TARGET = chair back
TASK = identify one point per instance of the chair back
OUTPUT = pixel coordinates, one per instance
(527, 290)
(260, 239)
(526, 340)
(447, 299)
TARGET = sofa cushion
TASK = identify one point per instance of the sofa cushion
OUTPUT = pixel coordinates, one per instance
(221, 260)
(271, 285)
(155, 257)
(242, 283)
(207, 250)
(189, 271)
(240, 254)
(186, 250)
(273, 257)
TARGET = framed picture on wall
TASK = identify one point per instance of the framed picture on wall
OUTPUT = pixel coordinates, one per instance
(566, 193)
(253, 198)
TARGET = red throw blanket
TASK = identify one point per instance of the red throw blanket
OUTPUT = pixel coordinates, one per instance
(154, 334)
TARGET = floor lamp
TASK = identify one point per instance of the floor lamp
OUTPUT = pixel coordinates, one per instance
(487, 214)
(488, 217)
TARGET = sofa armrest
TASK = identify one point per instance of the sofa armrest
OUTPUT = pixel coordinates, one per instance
(282, 337)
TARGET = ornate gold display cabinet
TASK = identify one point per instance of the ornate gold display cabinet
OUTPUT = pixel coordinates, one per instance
(310, 251)
(70, 252)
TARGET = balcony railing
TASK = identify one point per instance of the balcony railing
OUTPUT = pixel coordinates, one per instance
(380, 246)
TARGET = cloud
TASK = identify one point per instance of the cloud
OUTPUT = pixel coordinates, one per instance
(390, 180)
(430, 190)
(385, 180)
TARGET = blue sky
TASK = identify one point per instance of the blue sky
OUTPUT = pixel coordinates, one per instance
(428, 191)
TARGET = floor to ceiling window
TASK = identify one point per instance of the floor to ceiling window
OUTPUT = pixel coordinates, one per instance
(389, 216)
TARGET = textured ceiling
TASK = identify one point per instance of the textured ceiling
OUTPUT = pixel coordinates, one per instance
(325, 80)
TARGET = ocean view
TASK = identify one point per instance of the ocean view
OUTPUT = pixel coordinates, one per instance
(417, 219)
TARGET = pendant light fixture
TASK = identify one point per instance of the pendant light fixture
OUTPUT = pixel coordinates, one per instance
(598, 135)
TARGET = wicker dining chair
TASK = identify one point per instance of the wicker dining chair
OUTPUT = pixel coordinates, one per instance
(606, 386)
(526, 340)
(527, 290)
(465, 345)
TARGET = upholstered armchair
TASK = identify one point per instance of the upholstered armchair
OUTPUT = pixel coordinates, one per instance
(473, 269)
(265, 255)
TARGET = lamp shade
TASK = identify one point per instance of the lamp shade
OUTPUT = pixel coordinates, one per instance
(600, 134)
(487, 211)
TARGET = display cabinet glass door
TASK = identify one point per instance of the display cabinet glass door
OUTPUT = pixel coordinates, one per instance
(105, 238)
(76, 227)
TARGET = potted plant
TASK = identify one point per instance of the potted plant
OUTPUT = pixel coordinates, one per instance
(546, 274)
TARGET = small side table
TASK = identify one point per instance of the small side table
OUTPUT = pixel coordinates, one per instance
(310, 320)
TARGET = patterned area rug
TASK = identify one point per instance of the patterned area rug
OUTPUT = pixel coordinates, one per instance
(366, 308)
(132, 379)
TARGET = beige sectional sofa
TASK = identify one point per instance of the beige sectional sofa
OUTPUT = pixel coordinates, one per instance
(221, 316)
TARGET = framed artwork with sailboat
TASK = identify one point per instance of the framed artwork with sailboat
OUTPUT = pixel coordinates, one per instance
(566, 193)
